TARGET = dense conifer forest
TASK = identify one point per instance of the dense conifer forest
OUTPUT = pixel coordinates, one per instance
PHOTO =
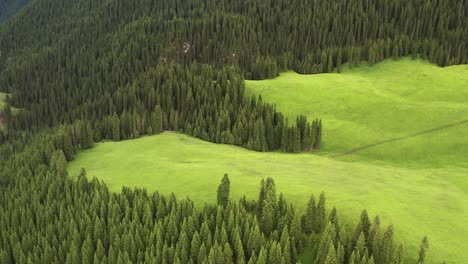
(85, 71)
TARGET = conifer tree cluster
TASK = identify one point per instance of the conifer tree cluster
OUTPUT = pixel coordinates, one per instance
(113, 61)
(198, 100)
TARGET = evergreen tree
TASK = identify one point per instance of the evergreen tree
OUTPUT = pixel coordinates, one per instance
(422, 250)
(331, 256)
(157, 120)
(308, 218)
(320, 215)
(223, 191)
(115, 128)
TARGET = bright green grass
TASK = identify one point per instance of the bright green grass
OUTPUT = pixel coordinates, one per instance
(419, 184)
(417, 201)
(366, 105)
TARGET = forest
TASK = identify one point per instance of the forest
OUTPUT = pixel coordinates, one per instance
(85, 71)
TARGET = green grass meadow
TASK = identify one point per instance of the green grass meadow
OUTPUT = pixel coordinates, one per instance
(418, 182)
(367, 105)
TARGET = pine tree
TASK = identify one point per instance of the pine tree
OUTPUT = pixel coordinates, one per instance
(398, 257)
(67, 145)
(195, 247)
(87, 251)
(308, 218)
(320, 215)
(157, 120)
(327, 238)
(422, 250)
(223, 191)
(115, 128)
(331, 256)
(262, 257)
(174, 120)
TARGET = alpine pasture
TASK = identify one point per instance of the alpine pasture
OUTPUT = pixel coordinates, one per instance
(394, 142)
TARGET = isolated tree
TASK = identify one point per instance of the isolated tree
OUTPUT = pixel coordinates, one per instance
(223, 191)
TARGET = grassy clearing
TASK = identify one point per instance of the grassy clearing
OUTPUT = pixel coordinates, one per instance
(418, 202)
(367, 105)
(418, 183)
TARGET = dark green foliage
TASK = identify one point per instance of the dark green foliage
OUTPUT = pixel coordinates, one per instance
(123, 62)
(195, 99)
(309, 216)
(156, 120)
(223, 191)
(422, 250)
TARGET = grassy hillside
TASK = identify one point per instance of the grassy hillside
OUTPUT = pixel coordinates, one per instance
(391, 100)
(416, 201)
(417, 180)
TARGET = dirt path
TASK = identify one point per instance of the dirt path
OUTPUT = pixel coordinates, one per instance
(354, 150)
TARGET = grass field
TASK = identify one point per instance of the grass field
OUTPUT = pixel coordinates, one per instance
(416, 181)
(368, 105)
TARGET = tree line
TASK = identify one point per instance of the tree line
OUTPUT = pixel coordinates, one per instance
(198, 100)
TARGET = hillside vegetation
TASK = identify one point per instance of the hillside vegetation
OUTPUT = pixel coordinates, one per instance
(86, 71)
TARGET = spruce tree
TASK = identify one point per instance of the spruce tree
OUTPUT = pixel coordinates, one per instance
(331, 256)
(223, 191)
(308, 218)
(422, 250)
(320, 215)
(115, 128)
(157, 120)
